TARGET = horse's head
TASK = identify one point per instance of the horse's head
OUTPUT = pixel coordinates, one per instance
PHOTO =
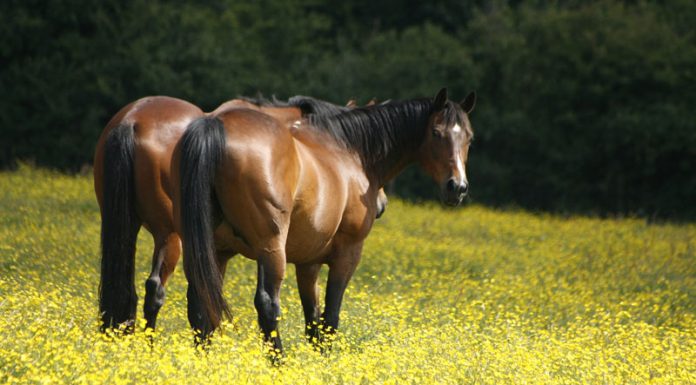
(445, 148)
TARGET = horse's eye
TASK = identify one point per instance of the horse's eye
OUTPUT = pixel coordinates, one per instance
(437, 133)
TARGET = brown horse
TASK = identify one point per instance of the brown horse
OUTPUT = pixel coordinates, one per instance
(307, 197)
(133, 187)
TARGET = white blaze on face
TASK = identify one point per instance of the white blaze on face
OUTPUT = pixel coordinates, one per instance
(458, 157)
(460, 167)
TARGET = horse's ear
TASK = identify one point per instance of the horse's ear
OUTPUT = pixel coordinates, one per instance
(469, 102)
(440, 99)
(352, 103)
(372, 102)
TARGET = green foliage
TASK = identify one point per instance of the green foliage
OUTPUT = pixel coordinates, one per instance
(400, 64)
(591, 106)
(582, 105)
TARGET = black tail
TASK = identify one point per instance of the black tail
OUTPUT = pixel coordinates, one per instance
(119, 230)
(202, 148)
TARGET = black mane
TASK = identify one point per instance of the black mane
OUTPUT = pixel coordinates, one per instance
(311, 106)
(387, 131)
(375, 132)
(307, 104)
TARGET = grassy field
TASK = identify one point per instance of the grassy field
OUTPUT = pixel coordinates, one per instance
(466, 296)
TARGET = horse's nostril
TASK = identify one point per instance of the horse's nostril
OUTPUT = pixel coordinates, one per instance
(464, 188)
(451, 185)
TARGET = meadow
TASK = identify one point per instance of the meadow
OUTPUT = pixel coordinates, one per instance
(449, 296)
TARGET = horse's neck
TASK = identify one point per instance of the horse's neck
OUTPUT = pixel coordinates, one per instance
(386, 138)
(386, 175)
(385, 171)
(399, 156)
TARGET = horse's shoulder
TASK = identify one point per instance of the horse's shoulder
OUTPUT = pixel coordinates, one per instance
(361, 209)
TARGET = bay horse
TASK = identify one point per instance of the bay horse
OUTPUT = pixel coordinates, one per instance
(306, 196)
(133, 188)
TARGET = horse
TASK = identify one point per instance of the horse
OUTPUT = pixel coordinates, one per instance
(306, 196)
(133, 188)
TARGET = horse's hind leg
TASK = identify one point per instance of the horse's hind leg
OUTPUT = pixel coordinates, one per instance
(164, 259)
(271, 271)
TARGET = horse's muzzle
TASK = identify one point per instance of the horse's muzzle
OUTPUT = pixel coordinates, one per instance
(453, 192)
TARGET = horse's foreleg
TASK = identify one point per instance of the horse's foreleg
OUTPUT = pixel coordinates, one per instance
(341, 269)
(164, 260)
(271, 271)
(309, 295)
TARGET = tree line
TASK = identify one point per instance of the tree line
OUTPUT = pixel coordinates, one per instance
(583, 106)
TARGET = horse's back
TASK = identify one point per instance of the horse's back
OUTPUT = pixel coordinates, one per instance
(259, 147)
(157, 123)
(161, 120)
(147, 115)
(233, 103)
(286, 115)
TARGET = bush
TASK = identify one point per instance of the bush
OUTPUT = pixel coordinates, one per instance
(583, 106)
(585, 109)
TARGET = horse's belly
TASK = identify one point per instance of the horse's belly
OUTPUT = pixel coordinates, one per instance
(309, 240)
(308, 249)
(308, 245)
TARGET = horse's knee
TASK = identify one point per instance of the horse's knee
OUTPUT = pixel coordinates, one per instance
(167, 258)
